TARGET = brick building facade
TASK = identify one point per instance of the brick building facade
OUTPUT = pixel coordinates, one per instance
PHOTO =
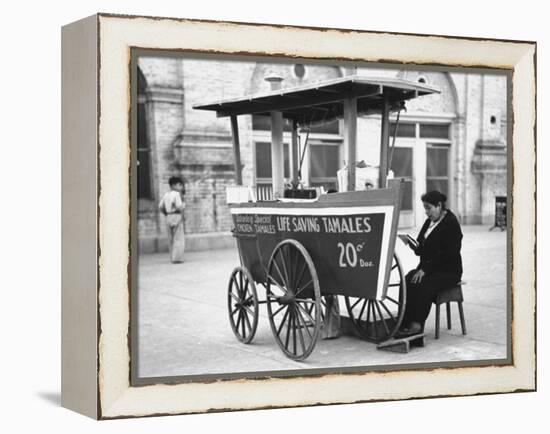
(454, 141)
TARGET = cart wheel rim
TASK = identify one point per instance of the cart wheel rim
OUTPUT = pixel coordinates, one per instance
(293, 299)
(378, 320)
(242, 303)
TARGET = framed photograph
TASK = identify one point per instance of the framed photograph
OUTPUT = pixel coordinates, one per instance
(262, 216)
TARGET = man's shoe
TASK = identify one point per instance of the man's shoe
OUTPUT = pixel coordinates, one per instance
(413, 329)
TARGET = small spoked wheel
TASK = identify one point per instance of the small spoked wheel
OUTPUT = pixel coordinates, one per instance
(242, 302)
(293, 299)
(378, 320)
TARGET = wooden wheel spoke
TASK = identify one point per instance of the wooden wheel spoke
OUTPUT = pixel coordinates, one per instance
(234, 297)
(278, 271)
(366, 303)
(308, 314)
(305, 326)
(375, 331)
(239, 318)
(387, 310)
(235, 286)
(234, 311)
(390, 310)
(248, 310)
(301, 275)
(368, 312)
(289, 324)
(292, 263)
(287, 275)
(243, 324)
(285, 316)
(294, 343)
(300, 333)
(277, 284)
(247, 321)
(278, 310)
(287, 260)
(382, 318)
(356, 303)
(283, 276)
(392, 300)
(239, 286)
(305, 286)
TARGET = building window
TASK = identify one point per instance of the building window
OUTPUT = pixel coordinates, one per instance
(324, 161)
(263, 162)
(401, 165)
(332, 127)
(320, 163)
(431, 138)
(437, 168)
(404, 129)
(434, 131)
(143, 155)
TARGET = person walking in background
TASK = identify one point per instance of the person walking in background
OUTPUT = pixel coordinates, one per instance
(172, 206)
(439, 244)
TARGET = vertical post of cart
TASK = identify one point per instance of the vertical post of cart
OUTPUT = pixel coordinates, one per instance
(236, 150)
(384, 142)
(277, 149)
(350, 138)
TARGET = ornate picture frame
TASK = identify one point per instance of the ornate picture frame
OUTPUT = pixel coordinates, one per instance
(97, 244)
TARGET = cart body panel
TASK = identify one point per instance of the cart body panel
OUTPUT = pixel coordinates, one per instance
(349, 236)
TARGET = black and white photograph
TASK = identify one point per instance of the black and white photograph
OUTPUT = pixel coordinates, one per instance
(275, 217)
(292, 217)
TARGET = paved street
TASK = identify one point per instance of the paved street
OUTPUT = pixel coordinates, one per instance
(184, 327)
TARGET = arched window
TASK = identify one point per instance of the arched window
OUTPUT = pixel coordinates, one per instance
(144, 190)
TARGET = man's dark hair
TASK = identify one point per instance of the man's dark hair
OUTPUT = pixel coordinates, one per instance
(434, 197)
(174, 180)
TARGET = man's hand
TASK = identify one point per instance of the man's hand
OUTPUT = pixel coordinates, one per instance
(417, 278)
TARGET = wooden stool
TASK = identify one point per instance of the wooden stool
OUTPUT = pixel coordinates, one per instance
(454, 293)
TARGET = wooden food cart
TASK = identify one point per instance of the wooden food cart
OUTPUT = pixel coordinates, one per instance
(343, 244)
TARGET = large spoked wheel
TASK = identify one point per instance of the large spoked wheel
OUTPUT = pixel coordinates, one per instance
(378, 320)
(242, 303)
(293, 299)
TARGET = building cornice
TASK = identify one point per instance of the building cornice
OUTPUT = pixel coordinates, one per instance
(164, 94)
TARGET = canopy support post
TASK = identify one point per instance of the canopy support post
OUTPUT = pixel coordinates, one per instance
(236, 150)
(350, 138)
(277, 154)
(277, 149)
(295, 159)
(384, 143)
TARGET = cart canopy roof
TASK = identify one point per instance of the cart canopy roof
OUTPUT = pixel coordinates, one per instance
(323, 101)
